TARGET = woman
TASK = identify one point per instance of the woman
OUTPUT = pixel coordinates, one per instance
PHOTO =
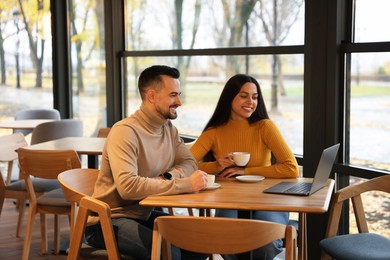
(240, 123)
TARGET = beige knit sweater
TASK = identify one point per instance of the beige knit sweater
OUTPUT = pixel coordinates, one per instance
(138, 149)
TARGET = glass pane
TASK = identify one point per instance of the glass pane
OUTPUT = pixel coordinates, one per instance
(370, 110)
(26, 66)
(371, 19)
(204, 79)
(88, 64)
(198, 24)
(375, 205)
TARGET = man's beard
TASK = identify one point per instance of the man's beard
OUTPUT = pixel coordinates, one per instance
(168, 115)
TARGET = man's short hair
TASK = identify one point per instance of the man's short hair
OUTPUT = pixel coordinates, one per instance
(152, 76)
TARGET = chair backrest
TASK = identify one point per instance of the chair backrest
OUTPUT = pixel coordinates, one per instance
(354, 192)
(9, 145)
(103, 132)
(57, 129)
(46, 163)
(36, 114)
(78, 183)
(78, 186)
(215, 235)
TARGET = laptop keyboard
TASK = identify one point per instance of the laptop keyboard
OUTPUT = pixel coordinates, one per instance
(300, 187)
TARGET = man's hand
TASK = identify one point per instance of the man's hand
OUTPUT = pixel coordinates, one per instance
(198, 180)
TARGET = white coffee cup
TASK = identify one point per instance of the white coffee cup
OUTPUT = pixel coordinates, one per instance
(210, 180)
(241, 158)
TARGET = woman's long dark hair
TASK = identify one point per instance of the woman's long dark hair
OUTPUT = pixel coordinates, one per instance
(223, 109)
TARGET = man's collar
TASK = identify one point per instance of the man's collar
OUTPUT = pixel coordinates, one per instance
(151, 118)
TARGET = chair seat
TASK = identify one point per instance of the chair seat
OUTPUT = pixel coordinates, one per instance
(375, 247)
(40, 185)
(54, 198)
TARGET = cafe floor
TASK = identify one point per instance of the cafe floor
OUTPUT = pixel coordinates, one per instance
(11, 247)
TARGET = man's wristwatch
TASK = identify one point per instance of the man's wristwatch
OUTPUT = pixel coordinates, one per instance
(167, 176)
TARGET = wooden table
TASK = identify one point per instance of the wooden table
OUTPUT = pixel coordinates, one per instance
(250, 197)
(23, 124)
(91, 146)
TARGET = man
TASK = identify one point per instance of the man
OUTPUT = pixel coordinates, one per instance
(143, 156)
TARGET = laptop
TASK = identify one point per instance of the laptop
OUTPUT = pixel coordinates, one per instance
(323, 171)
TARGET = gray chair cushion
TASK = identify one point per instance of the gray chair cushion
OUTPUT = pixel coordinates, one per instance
(40, 185)
(53, 198)
(361, 246)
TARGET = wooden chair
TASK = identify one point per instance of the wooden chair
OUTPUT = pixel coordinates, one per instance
(363, 245)
(17, 189)
(57, 129)
(219, 235)
(103, 132)
(36, 114)
(9, 144)
(78, 186)
(45, 164)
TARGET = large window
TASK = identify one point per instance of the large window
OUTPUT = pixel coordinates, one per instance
(88, 63)
(25, 57)
(200, 24)
(371, 18)
(370, 89)
(368, 99)
(217, 31)
(370, 110)
(209, 41)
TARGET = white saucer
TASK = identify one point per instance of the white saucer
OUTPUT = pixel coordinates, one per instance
(250, 178)
(214, 186)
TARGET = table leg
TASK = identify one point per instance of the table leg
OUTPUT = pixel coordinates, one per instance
(302, 238)
(244, 214)
(93, 162)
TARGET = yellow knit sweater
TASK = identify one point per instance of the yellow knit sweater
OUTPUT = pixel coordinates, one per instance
(260, 139)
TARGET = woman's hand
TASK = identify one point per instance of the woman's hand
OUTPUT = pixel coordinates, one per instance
(232, 172)
(224, 162)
